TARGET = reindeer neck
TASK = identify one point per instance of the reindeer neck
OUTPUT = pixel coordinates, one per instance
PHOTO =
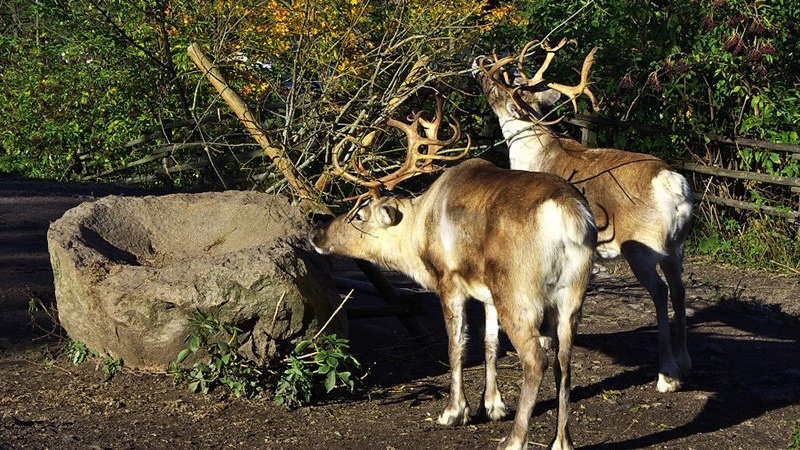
(408, 243)
(528, 144)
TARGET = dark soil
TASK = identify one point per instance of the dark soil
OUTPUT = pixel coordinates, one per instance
(744, 393)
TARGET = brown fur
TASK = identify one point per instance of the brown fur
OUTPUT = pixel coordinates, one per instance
(520, 242)
(641, 206)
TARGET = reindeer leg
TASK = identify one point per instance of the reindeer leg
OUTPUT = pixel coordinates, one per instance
(457, 411)
(493, 404)
(566, 328)
(534, 362)
(522, 328)
(643, 264)
(673, 268)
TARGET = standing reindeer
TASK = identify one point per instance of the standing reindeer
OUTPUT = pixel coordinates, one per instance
(641, 205)
(520, 242)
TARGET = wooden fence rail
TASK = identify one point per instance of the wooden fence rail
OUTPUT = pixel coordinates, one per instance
(163, 155)
(791, 211)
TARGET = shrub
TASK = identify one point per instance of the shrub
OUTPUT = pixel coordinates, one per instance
(322, 361)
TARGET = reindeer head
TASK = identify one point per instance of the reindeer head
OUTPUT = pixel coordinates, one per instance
(518, 96)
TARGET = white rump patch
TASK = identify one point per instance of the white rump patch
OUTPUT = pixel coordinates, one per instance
(567, 237)
(675, 198)
(552, 220)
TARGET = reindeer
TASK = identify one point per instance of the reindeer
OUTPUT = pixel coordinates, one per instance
(520, 242)
(642, 207)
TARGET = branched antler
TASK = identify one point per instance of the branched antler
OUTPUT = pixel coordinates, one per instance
(495, 70)
(416, 161)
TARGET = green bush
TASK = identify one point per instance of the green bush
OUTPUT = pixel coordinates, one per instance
(75, 90)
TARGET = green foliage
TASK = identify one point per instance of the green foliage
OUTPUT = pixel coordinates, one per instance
(86, 77)
(294, 387)
(77, 352)
(794, 439)
(763, 242)
(322, 362)
(329, 362)
(76, 88)
(225, 366)
(110, 367)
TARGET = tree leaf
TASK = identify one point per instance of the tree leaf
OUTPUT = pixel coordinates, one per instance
(330, 381)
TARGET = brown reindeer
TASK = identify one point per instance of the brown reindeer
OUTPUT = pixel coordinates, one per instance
(520, 242)
(641, 205)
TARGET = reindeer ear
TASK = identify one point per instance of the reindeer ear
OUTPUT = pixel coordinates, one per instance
(514, 110)
(389, 215)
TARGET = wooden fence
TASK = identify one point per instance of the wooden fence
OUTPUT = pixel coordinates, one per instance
(789, 210)
(162, 157)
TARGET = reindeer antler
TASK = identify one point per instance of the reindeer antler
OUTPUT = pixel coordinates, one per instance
(416, 161)
(537, 80)
(573, 92)
(501, 79)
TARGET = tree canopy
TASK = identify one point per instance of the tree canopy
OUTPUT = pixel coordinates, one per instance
(83, 80)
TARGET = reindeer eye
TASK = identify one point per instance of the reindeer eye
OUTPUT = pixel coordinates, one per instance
(357, 215)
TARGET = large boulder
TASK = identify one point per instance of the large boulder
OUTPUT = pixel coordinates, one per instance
(131, 271)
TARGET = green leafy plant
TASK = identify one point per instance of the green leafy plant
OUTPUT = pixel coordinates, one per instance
(294, 387)
(77, 352)
(110, 366)
(327, 361)
(225, 366)
(321, 361)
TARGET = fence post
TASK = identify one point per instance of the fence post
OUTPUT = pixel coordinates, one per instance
(588, 134)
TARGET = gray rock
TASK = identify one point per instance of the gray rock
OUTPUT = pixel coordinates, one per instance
(131, 271)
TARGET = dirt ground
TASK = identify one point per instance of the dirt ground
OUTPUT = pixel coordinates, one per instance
(743, 394)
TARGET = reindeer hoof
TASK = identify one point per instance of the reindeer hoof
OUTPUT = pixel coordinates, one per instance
(667, 384)
(493, 408)
(452, 417)
(495, 412)
(509, 444)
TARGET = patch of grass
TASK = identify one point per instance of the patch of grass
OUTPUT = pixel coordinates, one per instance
(765, 243)
(794, 439)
